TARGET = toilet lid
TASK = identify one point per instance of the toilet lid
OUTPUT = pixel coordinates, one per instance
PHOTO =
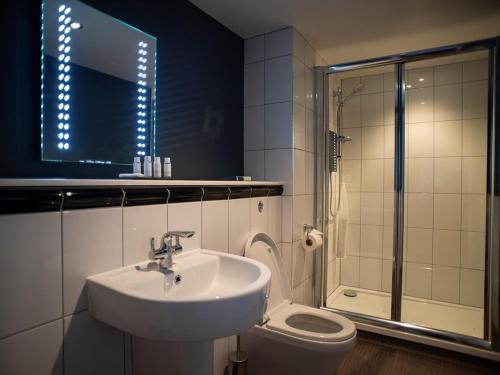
(262, 248)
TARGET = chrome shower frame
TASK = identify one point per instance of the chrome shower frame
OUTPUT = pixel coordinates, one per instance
(490, 346)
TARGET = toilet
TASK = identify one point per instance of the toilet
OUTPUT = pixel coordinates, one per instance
(292, 339)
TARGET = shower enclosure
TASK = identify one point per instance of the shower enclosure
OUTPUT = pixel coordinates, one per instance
(410, 194)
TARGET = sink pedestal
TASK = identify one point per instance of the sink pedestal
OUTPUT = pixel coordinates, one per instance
(195, 357)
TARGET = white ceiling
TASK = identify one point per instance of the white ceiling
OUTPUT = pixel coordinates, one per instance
(345, 30)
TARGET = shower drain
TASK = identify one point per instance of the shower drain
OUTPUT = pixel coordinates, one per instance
(350, 293)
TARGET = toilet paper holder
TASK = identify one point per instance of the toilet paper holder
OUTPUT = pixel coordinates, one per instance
(308, 228)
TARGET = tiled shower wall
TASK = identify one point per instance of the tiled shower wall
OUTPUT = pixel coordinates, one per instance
(45, 327)
(445, 182)
(279, 137)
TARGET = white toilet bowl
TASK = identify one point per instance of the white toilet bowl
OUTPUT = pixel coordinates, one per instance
(292, 339)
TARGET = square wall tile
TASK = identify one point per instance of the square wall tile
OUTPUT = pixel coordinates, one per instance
(299, 172)
(389, 81)
(349, 84)
(253, 84)
(421, 105)
(92, 347)
(475, 70)
(448, 175)
(351, 113)
(214, 222)
(447, 211)
(389, 142)
(448, 138)
(472, 287)
(422, 77)
(447, 74)
(388, 242)
(279, 167)
(352, 149)
(386, 275)
(373, 142)
(92, 243)
(446, 284)
(274, 218)
(420, 175)
(373, 83)
(279, 43)
(473, 212)
(372, 109)
(238, 225)
(186, 216)
(372, 176)
(353, 239)
(354, 201)
(140, 223)
(370, 273)
(420, 210)
(287, 218)
(389, 175)
(309, 58)
(371, 241)
(310, 132)
(254, 164)
(418, 280)
(389, 111)
(474, 171)
(287, 256)
(372, 208)
(475, 100)
(299, 82)
(472, 250)
(43, 344)
(299, 127)
(279, 77)
(446, 248)
(303, 264)
(419, 245)
(258, 219)
(388, 208)
(254, 49)
(349, 274)
(351, 174)
(253, 126)
(310, 172)
(448, 102)
(309, 88)
(420, 140)
(280, 122)
(475, 137)
(30, 271)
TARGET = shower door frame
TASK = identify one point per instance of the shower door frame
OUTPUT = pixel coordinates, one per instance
(491, 341)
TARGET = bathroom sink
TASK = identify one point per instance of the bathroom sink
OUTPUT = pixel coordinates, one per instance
(205, 295)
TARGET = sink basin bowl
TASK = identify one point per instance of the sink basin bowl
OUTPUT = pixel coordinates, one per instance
(205, 295)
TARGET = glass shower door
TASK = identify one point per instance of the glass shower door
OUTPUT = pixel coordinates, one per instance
(361, 211)
(446, 169)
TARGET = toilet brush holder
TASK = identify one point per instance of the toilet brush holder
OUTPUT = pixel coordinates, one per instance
(238, 360)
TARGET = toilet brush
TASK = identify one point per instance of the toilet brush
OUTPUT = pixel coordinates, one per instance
(238, 360)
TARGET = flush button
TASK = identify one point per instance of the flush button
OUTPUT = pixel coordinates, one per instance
(260, 206)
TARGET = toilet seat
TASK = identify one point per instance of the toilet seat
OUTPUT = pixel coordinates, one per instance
(299, 321)
(311, 323)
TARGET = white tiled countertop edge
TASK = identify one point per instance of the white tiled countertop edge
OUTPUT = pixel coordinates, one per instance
(62, 182)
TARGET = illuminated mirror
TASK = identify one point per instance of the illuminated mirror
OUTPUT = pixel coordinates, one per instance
(98, 86)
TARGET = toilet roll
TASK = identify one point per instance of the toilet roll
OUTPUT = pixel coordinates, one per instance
(312, 241)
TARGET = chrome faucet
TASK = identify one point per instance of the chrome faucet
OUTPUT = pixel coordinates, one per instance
(167, 249)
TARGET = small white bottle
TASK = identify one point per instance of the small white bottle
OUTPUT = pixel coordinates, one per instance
(137, 165)
(167, 169)
(148, 168)
(157, 167)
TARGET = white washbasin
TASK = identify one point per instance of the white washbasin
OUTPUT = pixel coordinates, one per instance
(218, 295)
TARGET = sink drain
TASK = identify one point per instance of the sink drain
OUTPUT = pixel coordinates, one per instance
(177, 279)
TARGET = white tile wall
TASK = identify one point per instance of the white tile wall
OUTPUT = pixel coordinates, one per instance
(140, 223)
(446, 177)
(30, 271)
(92, 243)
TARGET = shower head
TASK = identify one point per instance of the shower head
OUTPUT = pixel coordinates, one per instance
(359, 87)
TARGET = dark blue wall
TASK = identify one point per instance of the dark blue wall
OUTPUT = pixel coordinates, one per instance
(199, 90)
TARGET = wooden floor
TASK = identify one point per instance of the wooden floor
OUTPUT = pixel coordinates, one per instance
(375, 354)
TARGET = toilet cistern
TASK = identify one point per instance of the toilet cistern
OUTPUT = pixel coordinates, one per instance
(167, 249)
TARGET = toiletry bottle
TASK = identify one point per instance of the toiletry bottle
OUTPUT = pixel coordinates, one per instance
(137, 164)
(148, 168)
(157, 167)
(167, 168)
